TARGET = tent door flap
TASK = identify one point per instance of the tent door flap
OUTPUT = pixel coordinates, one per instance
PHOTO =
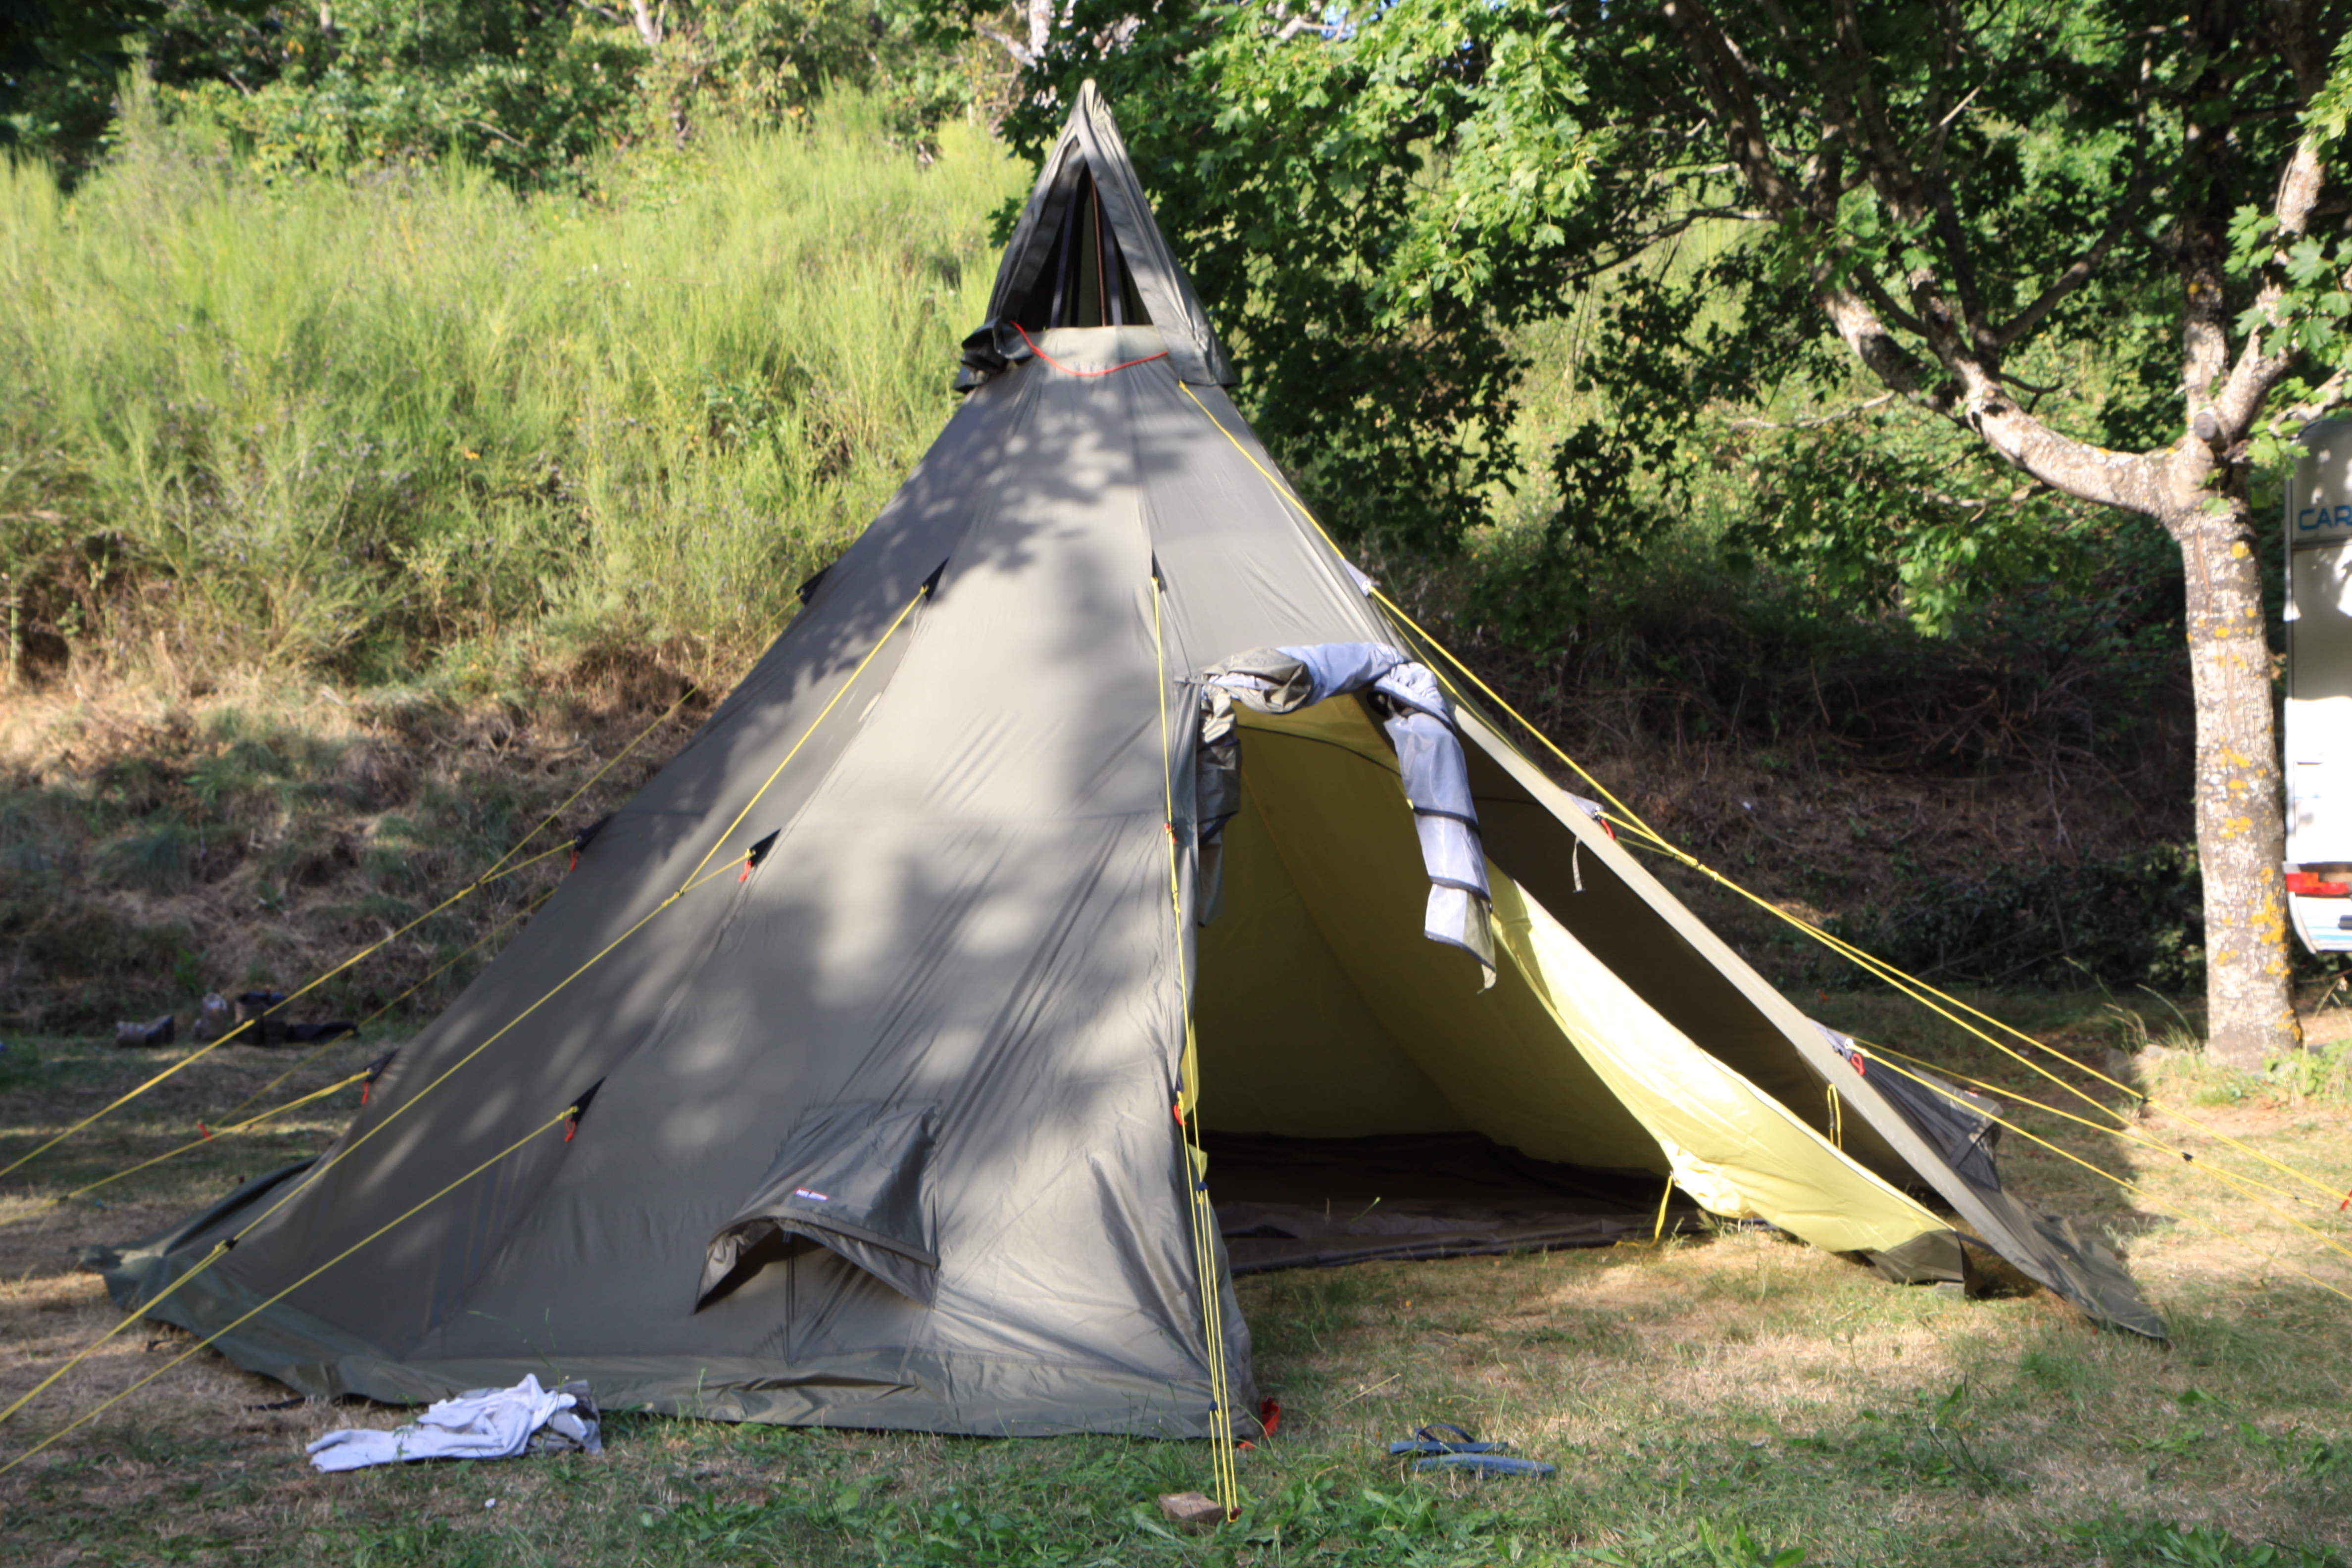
(854, 1178)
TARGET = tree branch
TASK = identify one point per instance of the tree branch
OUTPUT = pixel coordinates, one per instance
(501, 135)
(1914, 197)
(2257, 370)
(1723, 78)
(1011, 45)
(2205, 159)
(2084, 469)
(1866, 336)
(1860, 309)
(2080, 270)
(1041, 27)
(649, 27)
(2324, 399)
(1883, 303)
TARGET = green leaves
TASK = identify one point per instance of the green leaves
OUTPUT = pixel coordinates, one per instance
(2329, 114)
(531, 90)
(1366, 215)
(1375, 215)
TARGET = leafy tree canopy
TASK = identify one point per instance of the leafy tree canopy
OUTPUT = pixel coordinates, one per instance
(1376, 199)
(2067, 263)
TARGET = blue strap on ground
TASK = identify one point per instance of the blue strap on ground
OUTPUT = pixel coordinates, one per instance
(1486, 1463)
(1427, 1441)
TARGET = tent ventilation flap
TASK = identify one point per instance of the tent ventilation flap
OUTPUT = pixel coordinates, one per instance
(854, 1178)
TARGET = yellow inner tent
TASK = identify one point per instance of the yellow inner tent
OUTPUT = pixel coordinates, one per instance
(1322, 1012)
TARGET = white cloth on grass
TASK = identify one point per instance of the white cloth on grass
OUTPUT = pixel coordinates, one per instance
(489, 1424)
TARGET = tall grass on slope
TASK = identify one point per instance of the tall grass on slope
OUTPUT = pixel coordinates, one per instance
(389, 426)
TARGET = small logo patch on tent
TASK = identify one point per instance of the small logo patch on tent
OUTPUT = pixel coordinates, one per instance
(813, 1196)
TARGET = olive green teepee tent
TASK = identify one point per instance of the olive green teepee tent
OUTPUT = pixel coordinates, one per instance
(856, 1075)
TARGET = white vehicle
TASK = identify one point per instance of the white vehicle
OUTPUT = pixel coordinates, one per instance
(2318, 739)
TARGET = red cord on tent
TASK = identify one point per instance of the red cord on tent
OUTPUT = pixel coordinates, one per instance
(204, 1129)
(1269, 1415)
(1065, 370)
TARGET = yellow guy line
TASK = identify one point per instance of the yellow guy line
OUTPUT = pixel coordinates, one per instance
(1922, 993)
(195, 1057)
(2163, 1107)
(233, 1324)
(1929, 997)
(410, 1101)
(248, 1125)
(1626, 814)
(2125, 1183)
(660, 719)
(920, 594)
(498, 869)
(311, 1178)
(307, 1057)
(1918, 990)
(2244, 1186)
(2129, 1134)
(91, 1348)
(1204, 1257)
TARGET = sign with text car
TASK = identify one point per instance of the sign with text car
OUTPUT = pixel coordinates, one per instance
(2317, 740)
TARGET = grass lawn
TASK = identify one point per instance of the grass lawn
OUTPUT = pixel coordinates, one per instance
(1728, 1399)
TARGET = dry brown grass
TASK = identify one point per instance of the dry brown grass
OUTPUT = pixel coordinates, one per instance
(158, 841)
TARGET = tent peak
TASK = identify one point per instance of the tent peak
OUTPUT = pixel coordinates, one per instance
(1087, 252)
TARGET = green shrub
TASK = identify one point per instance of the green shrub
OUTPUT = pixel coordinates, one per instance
(531, 93)
(2132, 919)
(2323, 1073)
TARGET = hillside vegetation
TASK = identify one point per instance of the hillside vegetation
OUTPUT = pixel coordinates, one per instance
(378, 427)
(349, 523)
(414, 419)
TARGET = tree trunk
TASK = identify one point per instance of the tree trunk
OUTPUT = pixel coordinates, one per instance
(2240, 828)
(2240, 821)
(649, 27)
